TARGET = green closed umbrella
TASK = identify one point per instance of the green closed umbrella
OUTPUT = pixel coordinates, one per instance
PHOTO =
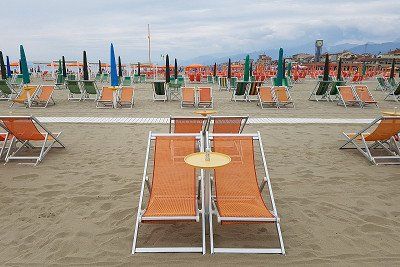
(279, 74)
(24, 66)
(167, 73)
(176, 69)
(326, 68)
(246, 69)
(119, 67)
(289, 69)
(100, 70)
(3, 67)
(364, 69)
(59, 71)
(339, 70)
(284, 68)
(64, 68)
(215, 69)
(85, 67)
(392, 70)
(229, 69)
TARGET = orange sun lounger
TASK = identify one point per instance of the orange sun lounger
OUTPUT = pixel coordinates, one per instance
(238, 195)
(106, 98)
(347, 96)
(28, 130)
(127, 97)
(266, 97)
(25, 96)
(382, 138)
(365, 95)
(283, 97)
(44, 97)
(188, 97)
(205, 97)
(172, 188)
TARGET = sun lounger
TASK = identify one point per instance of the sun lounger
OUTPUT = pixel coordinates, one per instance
(74, 90)
(237, 197)
(159, 91)
(188, 124)
(127, 99)
(106, 99)
(382, 84)
(266, 97)
(348, 97)
(28, 131)
(7, 91)
(90, 88)
(5, 138)
(172, 187)
(320, 91)
(25, 96)
(232, 83)
(210, 79)
(364, 95)
(17, 81)
(252, 91)
(126, 81)
(282, 96)
(239, 93)
(205, 98)
(380, 139)
(394, 93)
(333, 92)
(71, 77)
(188, 97)
(222, 83)
(105, 77)
(98, 77)
(43, 97)
(228, 124)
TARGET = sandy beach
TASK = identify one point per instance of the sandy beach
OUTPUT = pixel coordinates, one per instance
(78, 207)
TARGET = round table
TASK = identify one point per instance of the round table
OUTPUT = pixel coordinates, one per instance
(205, 112)
(391, 113)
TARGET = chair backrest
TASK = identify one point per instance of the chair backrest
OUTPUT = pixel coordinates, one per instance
(23, 128)
(323, 87)
(159, 88)
(397, 91)
(228, 124)
(281, 93)
(188, 94)
(73, 86)
(241, 88)
(222, 81)
(381, 81)
(233, 81)
(71, 77)
(205, 94)
(127, 94)
(265, 93)
(27, 89)
(60, 79)
(18, 79)
(187, 124)
(254, 88)
(107, 94)
(363, 93)
(90, 87)
(388, 127)
(5, 87)
(45, 92)
(347, 93)
(335, 84)
(127, 81)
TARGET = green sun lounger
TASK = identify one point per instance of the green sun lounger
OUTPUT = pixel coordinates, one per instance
(6, 90)
(74, 89)
(239, 94)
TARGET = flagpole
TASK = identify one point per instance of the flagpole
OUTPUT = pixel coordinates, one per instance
(148, 36)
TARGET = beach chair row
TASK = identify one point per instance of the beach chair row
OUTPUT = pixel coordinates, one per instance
(355, 95)
(30, 96)
(197, 97)
(214, 124)
(274, 96)
(175, 192)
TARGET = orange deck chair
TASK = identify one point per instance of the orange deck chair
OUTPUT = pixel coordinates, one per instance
(347, 96)
(192, 125)
(365, 95)
(106, 98)
(28, 131)
(228, 124)
(266, 97)
(25, 96)
(127, 97)
(44, 97)
(283, 97)
(238, 195)
(172, 189)
(4, 139)
(205, 97)
(188, 97)
(382, 138)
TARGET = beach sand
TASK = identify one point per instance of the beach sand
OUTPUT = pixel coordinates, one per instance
(78, 207)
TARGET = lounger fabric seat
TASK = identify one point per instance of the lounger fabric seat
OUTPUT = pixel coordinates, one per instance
(187, 124)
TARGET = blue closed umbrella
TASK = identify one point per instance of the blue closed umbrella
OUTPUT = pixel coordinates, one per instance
(113, 66)
(8, 67)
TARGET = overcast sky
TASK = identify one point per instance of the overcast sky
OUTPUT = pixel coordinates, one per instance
(185, 29)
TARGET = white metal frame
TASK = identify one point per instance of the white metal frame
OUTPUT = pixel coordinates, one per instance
(214, 210)
(200, 211)
(392, 93)
(365, 150)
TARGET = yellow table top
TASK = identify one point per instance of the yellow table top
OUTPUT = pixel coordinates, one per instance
(113, 87)
(205, 112)
(198, 160)
(391, 113)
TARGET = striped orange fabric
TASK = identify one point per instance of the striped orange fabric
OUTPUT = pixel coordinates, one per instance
(236, 186)
(46, 92)
(107, 94)
(347, 94)
(387, 128)
(173, 189)
(205, 94)
(189, 125)
(127, 94)
(227, 125)
(188, 95)
(281, 94)
(23, 129)
(363, 93)
(266, 94)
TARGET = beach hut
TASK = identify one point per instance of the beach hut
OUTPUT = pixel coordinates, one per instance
(24, 66)
(113, 67)
(85, 67)
(2, 67)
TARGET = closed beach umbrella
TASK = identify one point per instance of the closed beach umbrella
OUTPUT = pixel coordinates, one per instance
(60, 70)
(392, 70)
(24, 66)
(100, 71)
(138, 69)
(167, 73)
(279, 74)
(113, 67)
(119, 67)
(289, 69)
(229, 68)
(326, 68)
(64, 68)
(251, 69)
(176, 69)
(215, 69)
(246, 68)
(284, 68)
(364, 69)
(339, 70)
(2, 67)
(20, 66)
(85, 67)
(8, 67)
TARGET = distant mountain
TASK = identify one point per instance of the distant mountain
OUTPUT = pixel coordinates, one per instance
(372, 48)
